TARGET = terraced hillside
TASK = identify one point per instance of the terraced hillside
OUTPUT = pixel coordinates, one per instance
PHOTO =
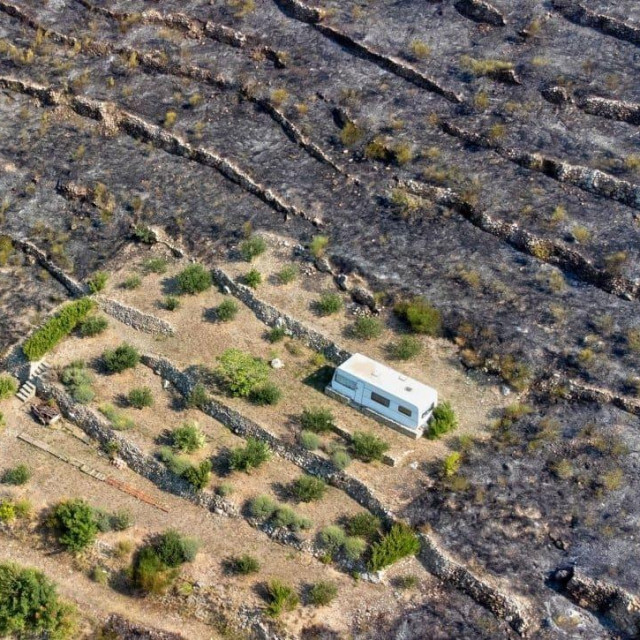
(483, 155)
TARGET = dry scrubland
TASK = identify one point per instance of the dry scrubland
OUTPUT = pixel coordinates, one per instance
(483, 155)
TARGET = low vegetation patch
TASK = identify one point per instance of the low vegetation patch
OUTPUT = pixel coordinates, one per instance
(367, 446)
(77, 379)
(288, 273)
(329, 304)
(317, 420)
(364, 525)
(243, 565)
(121, 358)
(187, 438)
(118, 421)
(253, 278)
(367, 328)
(406, 348)
(265, 394)
(420, 315)
(322, 593)
(266, 509)
(75, 524)
(318, 246)
(56, 328)
(239, 372)
(140, 397)
(281, 597)
(251, 456)
(8, 386)
(98, 282)
(443, 421)
(252, 247)
(18, 475)
(92, 326)
(194, 279)
(227, 310)
(309, 488)
(400, 542)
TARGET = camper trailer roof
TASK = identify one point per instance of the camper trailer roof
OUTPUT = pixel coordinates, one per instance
(390, 380)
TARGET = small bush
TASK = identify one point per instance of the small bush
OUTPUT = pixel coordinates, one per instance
(451, 464)
(78, 380)
(238, 372)
(171, 303)
(224, 489)
(149, 573)
(332, 538)
(17, 475)
(353, 548)
(276, 334)
(367, 328)
(364, 525)
(174, 463)
(288, 274)
(121, 520)
(174, 549)
(7, 511)
(118, 421)
(265, 394)
(281, 597)
(322, 593)
(351, 134)
(368, 447)
(421, 316)
(252, 247)
(123, 357)
(75, 524)
(329, 304)
(244, 565)
(251, 456)
(92, 326)
(227, 310)
(8, 386)
(285, 517)
(420, 49)
(132, 282)
(341, 459)
(253, 278)
(198, 476)
(318, 246)
(187, 438)
(309, 488)
(98, 282)
(406, 582)
(154, 265)
(140, 397)
(57, 328)
(309, 440)
(198, 396)
(400, 542)
(141, 233)
(194, 279)
(442, 421)
(406, 348)
(262, 507)
(100, 575)
(318, 420)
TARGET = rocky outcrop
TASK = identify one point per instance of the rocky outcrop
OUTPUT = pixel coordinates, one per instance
(118, 627)
(99, 429)
(581, 15)
(273, 317)
(135, 318)
(611, 109)
(480, 11)
(503, 605)
(619, 607)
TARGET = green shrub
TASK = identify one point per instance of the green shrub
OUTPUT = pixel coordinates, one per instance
(57, 328)
(262, 507)
(144, 235)
(198, 396)
(140, 397)
(244, 565)
(171, 303)
(239, 372)
(23, 508)
(118, 421)
(367, 446)
(100, 575)
(400, 542)
(227, 310)
(187, 438)
(102, 520)
(406, 582)
(451, 464)
(353, 548)
(309, 488)
(92, 326)
(364, 525)
(421, 316)
(8, 386)
(121, 358)
(265, 394)
(98, 281)
(281, 598)
(174, 463)
(252, 247)
(224, 489)
(194, 279)
(284, 517)
(276, 334)
(341, 459)
(442, 421)
(154, 265)
(17, 475)
(75, 524)
(30, 607)
(132, 282)
(318, 420)
(332, 538)
(367, 328)
(251, 456)
(198, 476)
(83, 394)
(318, 245)
(149, 573)
(78, 380)
(322, 593)
(174, 549)
(7, 511)
(329, 303)
(406, 348)
(288, 273)
(121, 520)
(253, 278)
(309, 440)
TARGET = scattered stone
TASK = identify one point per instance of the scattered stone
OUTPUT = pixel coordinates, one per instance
(342, 280)
(322, 265)
(365, 297)
(505, 390)
(276, 363)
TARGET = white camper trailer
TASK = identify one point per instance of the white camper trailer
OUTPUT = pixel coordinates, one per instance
(387, 395)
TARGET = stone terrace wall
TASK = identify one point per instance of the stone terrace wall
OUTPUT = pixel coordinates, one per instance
(271, 316)
(134, 317)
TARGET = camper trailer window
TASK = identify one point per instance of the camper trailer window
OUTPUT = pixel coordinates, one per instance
(385, 402)
(405, 410)
(345, 382)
